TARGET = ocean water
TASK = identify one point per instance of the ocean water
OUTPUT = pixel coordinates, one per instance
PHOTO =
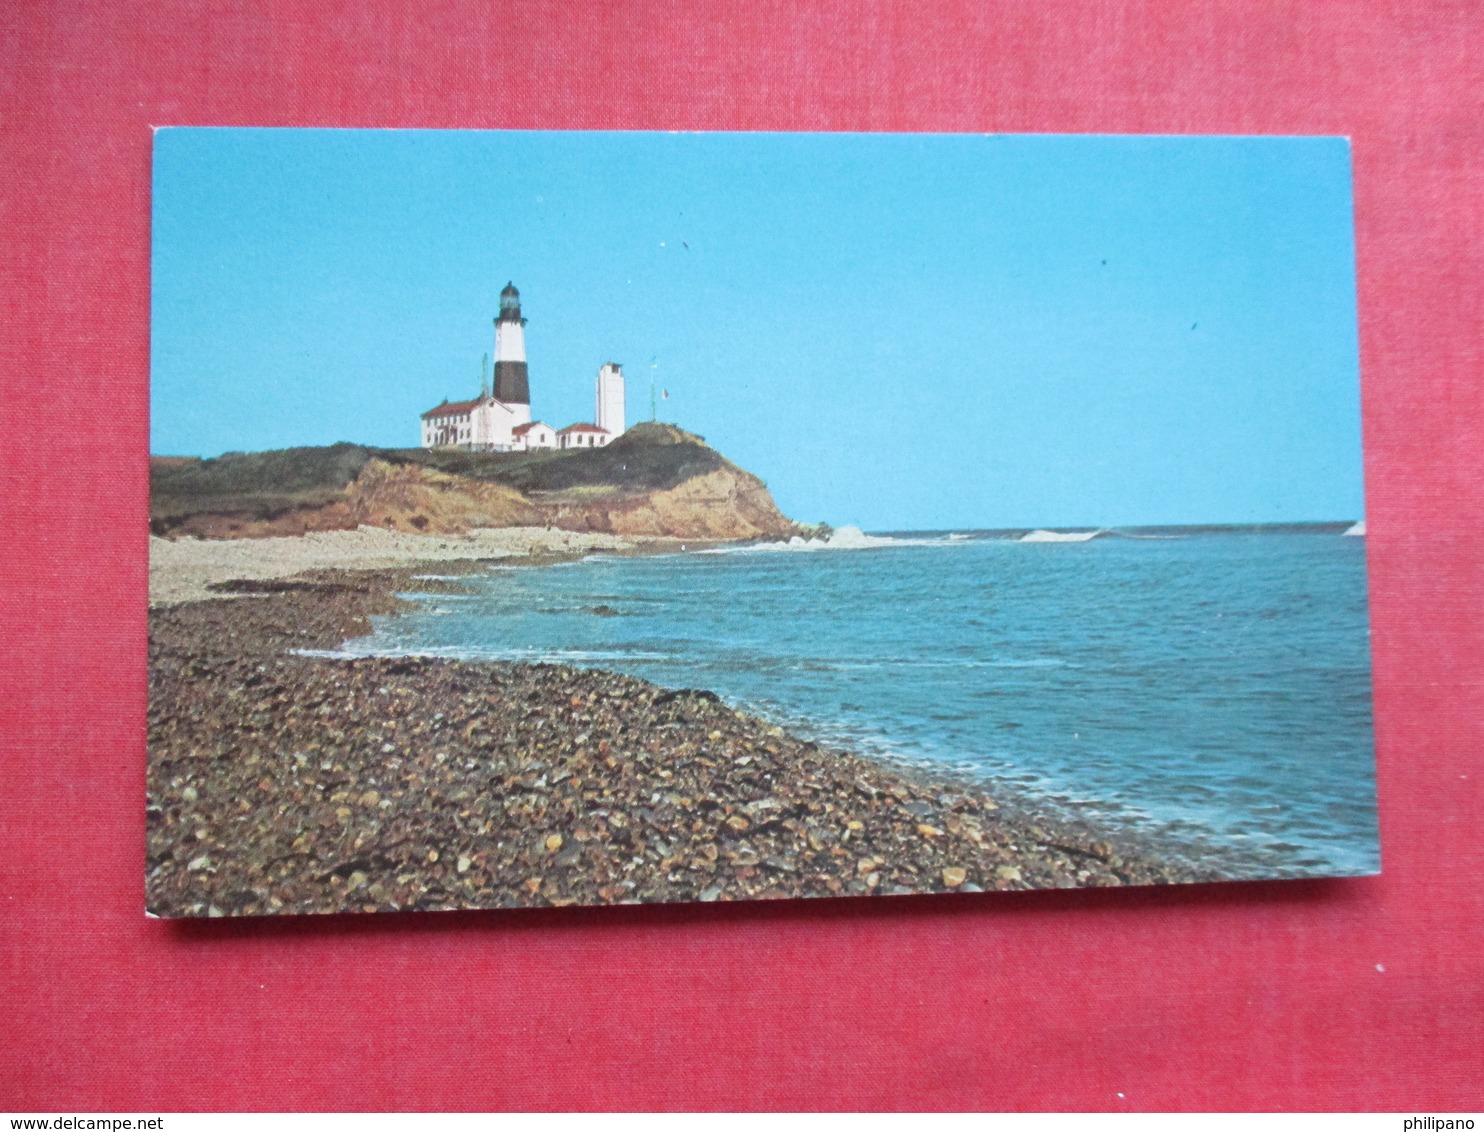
(1208, 688)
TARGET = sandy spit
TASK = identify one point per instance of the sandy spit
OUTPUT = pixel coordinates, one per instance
(182, 570)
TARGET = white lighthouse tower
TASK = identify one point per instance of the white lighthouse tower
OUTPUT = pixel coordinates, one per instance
(512, 382)
(610, 413)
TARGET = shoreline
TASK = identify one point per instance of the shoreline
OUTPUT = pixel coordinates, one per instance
(282, 783)
(186, 569)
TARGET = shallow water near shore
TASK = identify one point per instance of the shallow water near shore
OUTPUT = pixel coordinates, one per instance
(1210, 688)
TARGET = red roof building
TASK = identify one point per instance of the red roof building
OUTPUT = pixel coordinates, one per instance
(582, 435)
(452, 409)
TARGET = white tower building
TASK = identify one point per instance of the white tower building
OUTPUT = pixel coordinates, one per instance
(512, 382)
(610, 415)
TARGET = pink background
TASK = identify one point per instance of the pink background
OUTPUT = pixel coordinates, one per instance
(1241, 996)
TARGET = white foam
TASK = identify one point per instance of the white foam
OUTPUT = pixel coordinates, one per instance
(1060, 536)
(841, 538)
(1357, 531)
(464, 652)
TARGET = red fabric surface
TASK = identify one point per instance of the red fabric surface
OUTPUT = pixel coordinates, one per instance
(1240, 996)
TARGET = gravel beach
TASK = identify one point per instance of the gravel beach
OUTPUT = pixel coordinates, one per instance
(284, 783)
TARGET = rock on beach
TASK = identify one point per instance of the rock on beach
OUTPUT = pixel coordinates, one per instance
(284, 783)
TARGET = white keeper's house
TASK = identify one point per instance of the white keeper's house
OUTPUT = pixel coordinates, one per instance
(500, 420)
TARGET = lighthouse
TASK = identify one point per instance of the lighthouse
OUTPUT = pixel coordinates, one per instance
(500, 421)
(512, 384)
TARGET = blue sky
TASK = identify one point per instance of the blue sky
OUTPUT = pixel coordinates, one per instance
(895, 331)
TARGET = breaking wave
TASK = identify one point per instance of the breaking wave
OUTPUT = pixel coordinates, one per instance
(1060, 536)
(355, 651)
(841, 538)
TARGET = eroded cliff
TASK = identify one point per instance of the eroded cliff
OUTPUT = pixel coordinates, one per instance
(655, 480)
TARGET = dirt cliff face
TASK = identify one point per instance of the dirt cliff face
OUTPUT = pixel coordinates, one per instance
(655, 481)
(723, 504)
(727, 503)
(409, 498)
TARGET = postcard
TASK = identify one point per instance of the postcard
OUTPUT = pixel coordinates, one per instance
(544, 519)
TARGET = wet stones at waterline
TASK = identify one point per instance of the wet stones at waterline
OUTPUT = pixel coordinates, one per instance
(284, 783)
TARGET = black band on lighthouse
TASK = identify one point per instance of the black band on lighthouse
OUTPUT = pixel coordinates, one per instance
(512, 384)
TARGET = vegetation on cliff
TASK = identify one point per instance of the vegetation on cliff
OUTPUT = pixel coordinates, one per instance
(655, 480)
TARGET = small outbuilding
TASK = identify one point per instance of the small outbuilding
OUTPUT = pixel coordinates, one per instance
(537, 434)
(583, 436)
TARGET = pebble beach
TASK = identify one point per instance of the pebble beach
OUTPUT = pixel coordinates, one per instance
(281, 781)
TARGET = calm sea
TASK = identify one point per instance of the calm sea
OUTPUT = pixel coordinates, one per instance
(1212, 688)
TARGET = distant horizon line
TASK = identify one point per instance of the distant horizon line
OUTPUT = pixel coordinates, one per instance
(1117, 528)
